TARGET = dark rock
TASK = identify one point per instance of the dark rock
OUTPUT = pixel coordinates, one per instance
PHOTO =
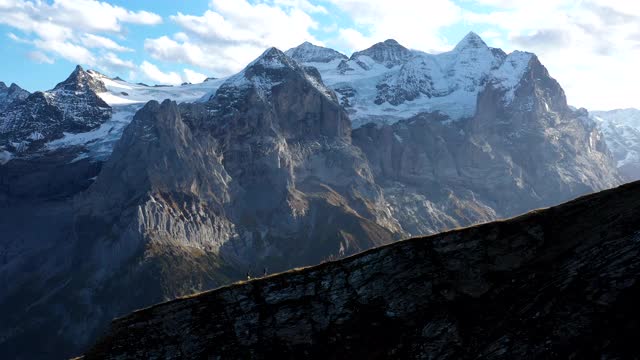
(555, 283)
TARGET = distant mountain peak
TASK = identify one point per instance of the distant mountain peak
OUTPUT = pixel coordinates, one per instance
(310, 53)
(389, 53)
(80, 80)
(11, 94)
(273, 68)
(272, 58)
(14, 87)
(391, 42)
(471, 41)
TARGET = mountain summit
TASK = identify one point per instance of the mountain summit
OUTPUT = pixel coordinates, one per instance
(471, 40)
(307, 52)
(80, 80)
(388, 53)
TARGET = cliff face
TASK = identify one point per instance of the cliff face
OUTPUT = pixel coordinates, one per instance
(558, 282)
(510, 157)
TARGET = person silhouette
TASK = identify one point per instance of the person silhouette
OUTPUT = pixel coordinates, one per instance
(265, 272)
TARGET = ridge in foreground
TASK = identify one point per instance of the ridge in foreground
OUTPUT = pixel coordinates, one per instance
(557, 282)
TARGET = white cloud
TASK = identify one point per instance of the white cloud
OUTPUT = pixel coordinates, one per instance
(193, 76)
(153, 73)
(414, 24)
(17, 38)
(67, 50)
(352, 39)
(111, 64)
(39, 57)
(97, 16)
(96, 41)
(67, 28)
(232, 33)
(303, 5)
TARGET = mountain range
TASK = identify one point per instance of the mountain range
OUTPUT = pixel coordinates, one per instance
(116, 196)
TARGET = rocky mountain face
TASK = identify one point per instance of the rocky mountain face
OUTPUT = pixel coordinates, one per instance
(10, 94)
(388, 53)
(555, 283)
(621, 129)
(73, 106)
(265, 169)
(439, 173)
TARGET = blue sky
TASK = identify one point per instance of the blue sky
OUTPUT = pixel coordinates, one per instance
(591, 46)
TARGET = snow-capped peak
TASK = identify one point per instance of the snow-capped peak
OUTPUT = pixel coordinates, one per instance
(387, 81)
(471, 41)
(272, 58)
(309, 53)
(389, 53)
(268, 70)
(80, 80)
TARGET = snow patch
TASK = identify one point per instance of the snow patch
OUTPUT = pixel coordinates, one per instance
(5, 157)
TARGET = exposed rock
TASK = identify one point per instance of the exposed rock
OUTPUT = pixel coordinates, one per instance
(555, 283)
(73, 106)
(388, 53)
(11, 94)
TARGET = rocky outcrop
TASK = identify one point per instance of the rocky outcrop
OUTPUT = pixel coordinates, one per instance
(559, 282)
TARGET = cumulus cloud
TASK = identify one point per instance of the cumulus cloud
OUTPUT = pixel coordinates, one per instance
(153, 73)
(39, 57)
(69, 28)
(112, 64)
(352, 39)
(232, 33)
(96, 41)
(414, 24)
(193, 76)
